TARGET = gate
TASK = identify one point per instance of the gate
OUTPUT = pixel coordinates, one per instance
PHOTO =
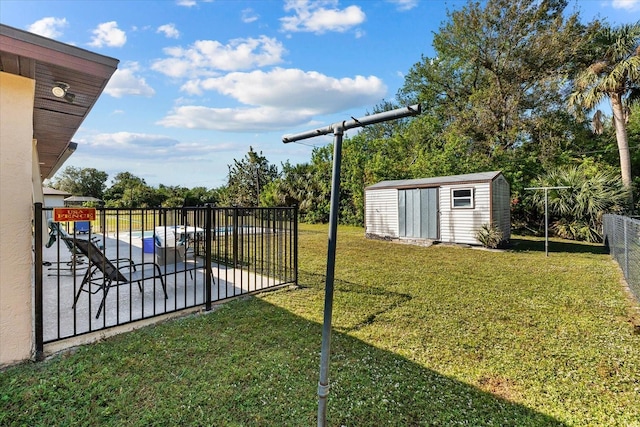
(133, 264)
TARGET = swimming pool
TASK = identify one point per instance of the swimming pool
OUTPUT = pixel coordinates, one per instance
(141, 234)
(244, 229)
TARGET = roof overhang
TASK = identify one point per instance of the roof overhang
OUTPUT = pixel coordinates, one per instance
(55, 120)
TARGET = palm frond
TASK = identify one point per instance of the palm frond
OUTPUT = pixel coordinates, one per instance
(577, 211)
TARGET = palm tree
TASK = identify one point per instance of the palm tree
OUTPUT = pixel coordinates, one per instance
(576, 212)
(615, 74)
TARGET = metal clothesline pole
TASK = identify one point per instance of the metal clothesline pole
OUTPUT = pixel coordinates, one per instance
(338, 130)
(546, 213)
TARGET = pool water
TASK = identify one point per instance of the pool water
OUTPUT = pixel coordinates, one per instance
(141, 234)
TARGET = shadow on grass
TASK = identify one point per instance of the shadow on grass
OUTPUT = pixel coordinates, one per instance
(363, 304)
(249, 363)
(535, 244)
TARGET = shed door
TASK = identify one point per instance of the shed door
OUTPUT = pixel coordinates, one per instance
(418, 213)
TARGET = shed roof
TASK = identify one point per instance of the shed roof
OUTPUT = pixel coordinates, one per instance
(48, 191)
(437, 181)
(81, 199)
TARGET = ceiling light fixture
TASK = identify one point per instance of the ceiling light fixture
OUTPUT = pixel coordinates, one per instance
(61, 90)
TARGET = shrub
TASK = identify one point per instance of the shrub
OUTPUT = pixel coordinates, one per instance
(576, 213)
(489, 235)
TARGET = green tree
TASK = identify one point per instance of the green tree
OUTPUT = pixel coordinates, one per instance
(633, 133)
(307, 185)
(199, 196)
(247, 178)
(498, 73)
(130, 191)
(82, 181)
(613, 74)
(576, 213)
(172, 196)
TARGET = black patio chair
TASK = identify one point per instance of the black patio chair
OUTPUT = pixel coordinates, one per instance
(77, 260)
(103, 273)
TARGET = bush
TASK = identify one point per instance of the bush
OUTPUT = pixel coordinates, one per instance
(576, 213)
(489, 235)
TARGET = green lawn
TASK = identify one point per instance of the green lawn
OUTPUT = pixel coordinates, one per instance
(422, 336)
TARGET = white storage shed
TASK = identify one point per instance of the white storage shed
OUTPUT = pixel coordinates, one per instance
(54, 198)
(447, 209)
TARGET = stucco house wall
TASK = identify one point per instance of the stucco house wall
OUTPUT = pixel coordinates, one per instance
(16, 154)
(36, 128)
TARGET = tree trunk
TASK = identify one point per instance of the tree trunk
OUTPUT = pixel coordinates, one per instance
(621, 137)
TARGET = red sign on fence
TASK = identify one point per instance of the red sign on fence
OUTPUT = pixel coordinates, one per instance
(74, 214)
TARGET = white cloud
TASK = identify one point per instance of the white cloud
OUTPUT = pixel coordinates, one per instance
(626, 4)
(169, 30)
(274, 100)
(258, 119)
(108, 34)
(159, 158)
(404, 5)
(48, 27)
(249, 16)
(125, 82)
(191, 3)
(320, 16)
(131, 145)
(206, 57)
(293, 88)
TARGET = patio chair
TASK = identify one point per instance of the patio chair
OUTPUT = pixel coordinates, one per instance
(77, 261)
(104, 273)
(78, 258)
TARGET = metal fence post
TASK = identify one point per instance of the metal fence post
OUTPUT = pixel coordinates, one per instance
(208, 256)
(323, 383)
(37, 247)
(235, 237)
(295, 245)
(611, 235)
(626, 249)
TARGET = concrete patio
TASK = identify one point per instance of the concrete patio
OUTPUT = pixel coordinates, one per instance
(185, 286)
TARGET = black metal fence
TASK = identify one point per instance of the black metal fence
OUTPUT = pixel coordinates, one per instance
(622, 237)
(132, 264)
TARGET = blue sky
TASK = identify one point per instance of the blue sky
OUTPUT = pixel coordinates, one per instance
(201, 81)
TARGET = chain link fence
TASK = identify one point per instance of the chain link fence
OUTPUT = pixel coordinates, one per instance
(622, 238)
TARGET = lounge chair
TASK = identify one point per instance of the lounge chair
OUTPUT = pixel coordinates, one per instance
(103, 273)
(77, 261)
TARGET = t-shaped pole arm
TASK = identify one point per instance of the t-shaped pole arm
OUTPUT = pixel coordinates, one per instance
(398, 113)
